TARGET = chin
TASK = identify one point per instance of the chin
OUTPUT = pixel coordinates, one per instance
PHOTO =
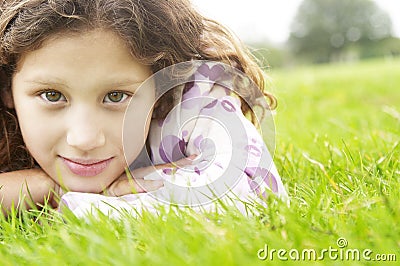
(84, 184)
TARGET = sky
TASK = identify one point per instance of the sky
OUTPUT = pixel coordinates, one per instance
(269, 20)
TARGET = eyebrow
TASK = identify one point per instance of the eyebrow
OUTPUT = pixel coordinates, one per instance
(45, 82)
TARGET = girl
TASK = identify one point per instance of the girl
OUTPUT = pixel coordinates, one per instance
(69, 68)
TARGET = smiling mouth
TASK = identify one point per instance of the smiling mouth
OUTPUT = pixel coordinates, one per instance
(86, 168)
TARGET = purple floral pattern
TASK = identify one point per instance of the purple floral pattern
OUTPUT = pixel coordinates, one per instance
(172, 147)
(267, 177)
(213, 73)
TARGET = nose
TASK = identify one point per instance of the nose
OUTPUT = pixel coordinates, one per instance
(85, 134)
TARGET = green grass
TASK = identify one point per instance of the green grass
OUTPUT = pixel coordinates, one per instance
(338, 132)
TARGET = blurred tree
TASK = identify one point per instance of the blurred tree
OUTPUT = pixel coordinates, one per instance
(333, 30)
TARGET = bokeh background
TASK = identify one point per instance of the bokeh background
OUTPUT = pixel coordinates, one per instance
(297, 32)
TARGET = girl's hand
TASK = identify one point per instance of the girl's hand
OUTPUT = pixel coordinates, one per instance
(137, 184)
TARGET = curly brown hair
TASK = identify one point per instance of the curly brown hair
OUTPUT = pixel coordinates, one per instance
(159, 33)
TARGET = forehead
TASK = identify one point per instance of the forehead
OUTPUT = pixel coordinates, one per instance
(92, 53)
(77, 42)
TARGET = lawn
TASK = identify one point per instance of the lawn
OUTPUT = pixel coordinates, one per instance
(337, 149)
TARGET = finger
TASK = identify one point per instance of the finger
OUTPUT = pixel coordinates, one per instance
(140, 173)
(147, 185)
(133, 186)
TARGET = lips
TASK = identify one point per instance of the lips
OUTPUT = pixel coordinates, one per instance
(90, 167)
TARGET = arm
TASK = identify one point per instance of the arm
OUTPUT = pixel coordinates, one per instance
(25, 188)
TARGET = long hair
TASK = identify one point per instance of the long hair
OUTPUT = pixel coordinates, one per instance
(159, 33)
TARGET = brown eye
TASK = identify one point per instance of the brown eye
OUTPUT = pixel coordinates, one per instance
(52, 96)
(115, 97)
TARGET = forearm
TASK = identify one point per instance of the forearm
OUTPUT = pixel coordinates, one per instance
(25, 188)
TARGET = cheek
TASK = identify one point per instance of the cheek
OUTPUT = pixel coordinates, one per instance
(136, 127)
(112, 129)
(37, 127)
(40, 132)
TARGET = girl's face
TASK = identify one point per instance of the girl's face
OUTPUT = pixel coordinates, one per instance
(70, 97)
